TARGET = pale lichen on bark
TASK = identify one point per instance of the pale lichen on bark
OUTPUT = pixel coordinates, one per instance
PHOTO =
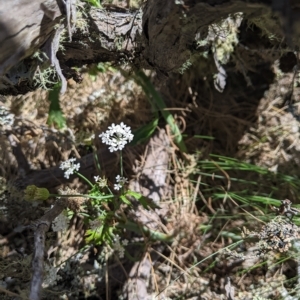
(160, 37)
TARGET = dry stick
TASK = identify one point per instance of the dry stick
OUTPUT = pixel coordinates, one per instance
(51, 49)
(52, 177)
(40, 228)
(49, 178)
(70, 6)
(244, 210)
(3, 290)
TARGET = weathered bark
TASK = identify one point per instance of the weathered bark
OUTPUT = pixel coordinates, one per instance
(161, 36)
(52, 177)
(151, 183)
(40, 228)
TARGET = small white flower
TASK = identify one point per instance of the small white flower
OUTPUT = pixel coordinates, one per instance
(121, 252)
(117, 239)
(69, 167)
(118, 247)
(117, 186)
(60, 223)
(125, 242)
(102, 182)
(116, 136)
(120, 182)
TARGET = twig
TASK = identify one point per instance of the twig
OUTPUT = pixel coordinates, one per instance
(70, 6)
(2, 290)
(52, 177)
(53, 59)
(40, 228)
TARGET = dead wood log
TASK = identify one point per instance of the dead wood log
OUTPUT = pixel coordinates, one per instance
(151, 183)
(53, 177)
(161, 36)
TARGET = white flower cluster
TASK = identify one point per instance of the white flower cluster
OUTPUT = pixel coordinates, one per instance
(119, 247)
(120, 182)
(102, 182)
(60, 223)
(6, 118)
(69, 167)
(117, 136)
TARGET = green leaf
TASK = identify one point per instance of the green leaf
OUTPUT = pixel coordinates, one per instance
(99, 68)
(143, 133)
(55, 116)
(144, 201)
(95, 3)
(95, 236)
(125, 200)
(154, 97)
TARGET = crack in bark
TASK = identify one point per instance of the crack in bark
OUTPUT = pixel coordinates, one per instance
(160, 37)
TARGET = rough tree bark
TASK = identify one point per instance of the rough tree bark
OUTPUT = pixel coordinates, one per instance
(160, 36)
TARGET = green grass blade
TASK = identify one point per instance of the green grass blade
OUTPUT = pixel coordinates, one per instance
(151, 93)
(55, 116)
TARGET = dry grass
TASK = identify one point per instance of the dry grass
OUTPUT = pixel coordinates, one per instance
(245, 123)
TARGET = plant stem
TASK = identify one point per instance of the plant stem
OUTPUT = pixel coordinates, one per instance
(121, 163)
(153, 235)
(150, 91)
(83, 196)
(85, 179)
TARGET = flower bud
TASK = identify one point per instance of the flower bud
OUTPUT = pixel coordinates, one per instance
(33, 193)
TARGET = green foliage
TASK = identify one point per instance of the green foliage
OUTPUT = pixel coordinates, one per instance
(105, 210)
(103, 206)
(55, 116)
(158, 102)
(144, 201)
(95, 3)
(103, 234)
(247, 184)
(100, 68)
(143, 134)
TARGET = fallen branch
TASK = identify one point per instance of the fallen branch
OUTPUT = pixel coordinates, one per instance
(40, 228)
(162, 36)
(52, 177)
(151, 183)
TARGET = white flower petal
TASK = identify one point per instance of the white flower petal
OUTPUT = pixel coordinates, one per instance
(116, 136)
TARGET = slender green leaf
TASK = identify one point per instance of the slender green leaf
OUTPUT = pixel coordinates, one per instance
(143, 133)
